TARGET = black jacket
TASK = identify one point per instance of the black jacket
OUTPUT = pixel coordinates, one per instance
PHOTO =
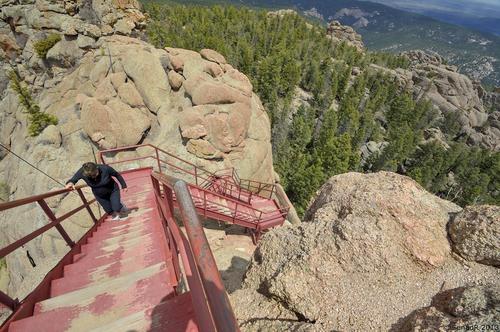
(103, 184)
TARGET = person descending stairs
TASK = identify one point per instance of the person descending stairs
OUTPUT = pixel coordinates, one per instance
(122, 280)
(126, 275)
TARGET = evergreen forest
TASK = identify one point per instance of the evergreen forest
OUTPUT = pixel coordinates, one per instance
(349, 104)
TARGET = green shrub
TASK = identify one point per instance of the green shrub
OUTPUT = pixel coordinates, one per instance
(38, 120)
(44, 45)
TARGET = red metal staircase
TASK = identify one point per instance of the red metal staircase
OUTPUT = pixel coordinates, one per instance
(220, 196)
(143, 273)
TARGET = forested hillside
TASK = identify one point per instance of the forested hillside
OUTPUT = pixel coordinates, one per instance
(386, 28)
(349, 104)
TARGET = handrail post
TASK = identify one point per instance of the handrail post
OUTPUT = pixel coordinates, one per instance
(218, 300)
(235, 211)
(84, 200)
(53, 218)
(158, 159)
(204, 204)
(236, 177)
(9, 302)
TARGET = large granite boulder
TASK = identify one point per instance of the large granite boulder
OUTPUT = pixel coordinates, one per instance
(338, 32)
(65, 53)
(475, 234)
(463, 308)
(452, 94)
(205, 113)
(372, 249)
(73, 17)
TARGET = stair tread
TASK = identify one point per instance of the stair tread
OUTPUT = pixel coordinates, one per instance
(120, 237)
(125, 223)
(83, 277)
(125, 244)
(113, 226)
(176, 314)
(83, 314)
(90, 262)
(86, 295)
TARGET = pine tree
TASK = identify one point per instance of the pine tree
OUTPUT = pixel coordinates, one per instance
(37, 120)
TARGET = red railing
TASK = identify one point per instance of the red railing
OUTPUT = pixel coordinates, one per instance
(211, 305)
(27, 304)
(202, 202)
(262, 189)
(190, 172)
(200, 176)
(203, 179)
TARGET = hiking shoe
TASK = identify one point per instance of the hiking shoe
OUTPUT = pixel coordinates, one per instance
(124, 209)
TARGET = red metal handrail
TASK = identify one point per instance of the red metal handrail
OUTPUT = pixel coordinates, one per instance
(196, 173)
(239, 182)
(237, 204)
(258, 186)
(55, 222)
(212, 307)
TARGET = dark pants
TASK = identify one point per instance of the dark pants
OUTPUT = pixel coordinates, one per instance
(110, 203)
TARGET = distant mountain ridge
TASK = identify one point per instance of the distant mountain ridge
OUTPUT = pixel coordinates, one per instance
(476, 54)
(481, 15)
(484, 24)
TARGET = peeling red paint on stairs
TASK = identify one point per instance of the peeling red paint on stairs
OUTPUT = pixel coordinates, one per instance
(124, 277)
(122, 280)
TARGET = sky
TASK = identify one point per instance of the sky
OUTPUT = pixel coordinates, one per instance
(480, 8)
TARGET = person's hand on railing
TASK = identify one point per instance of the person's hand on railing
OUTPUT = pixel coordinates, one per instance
(70, 186)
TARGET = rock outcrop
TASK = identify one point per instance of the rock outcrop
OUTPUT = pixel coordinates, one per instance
(338, 32)
(373, 249)
(464, 308)
(282, 12)
(491, 99)
(72, 17)
(452, 94)
(475, 234)
(109, 89)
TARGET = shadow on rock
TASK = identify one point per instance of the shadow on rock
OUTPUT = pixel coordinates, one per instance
(233, 276)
